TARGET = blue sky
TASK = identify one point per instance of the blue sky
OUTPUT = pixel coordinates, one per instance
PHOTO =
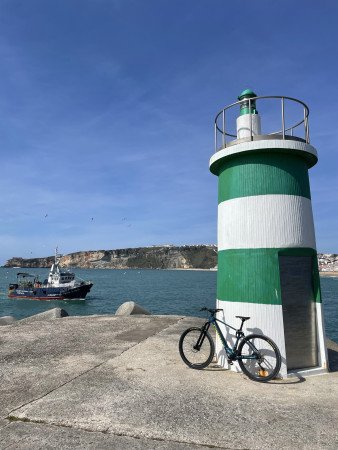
(107, 109)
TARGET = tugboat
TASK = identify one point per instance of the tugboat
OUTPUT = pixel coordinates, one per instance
(60, 285)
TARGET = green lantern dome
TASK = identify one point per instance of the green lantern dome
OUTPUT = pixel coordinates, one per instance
(245, 95)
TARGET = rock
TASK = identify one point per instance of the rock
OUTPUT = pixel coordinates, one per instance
(130, 308)
(55, 313)
(332, 350)
(7, 320)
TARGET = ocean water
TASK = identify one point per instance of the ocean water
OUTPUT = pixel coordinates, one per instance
(180, 292)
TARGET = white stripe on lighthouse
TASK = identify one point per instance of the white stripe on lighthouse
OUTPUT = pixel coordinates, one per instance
(264, 319)
(265, 221)
(264, 144)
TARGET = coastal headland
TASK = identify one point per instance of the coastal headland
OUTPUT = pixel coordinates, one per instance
(155, 257)
(118, 382)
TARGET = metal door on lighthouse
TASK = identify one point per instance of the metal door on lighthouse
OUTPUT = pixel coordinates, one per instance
(299, 311)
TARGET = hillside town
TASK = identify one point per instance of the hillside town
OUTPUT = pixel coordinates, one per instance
(328, 262)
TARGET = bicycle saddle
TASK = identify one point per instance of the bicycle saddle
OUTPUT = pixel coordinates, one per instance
(243, 318)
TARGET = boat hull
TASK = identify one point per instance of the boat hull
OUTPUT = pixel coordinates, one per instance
(51, 293)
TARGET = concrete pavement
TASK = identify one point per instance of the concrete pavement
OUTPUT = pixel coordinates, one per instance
(118, 382)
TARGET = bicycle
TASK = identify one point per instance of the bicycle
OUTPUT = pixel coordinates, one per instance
(257, 355)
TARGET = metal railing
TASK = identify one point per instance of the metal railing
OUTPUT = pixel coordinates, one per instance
(284, 133)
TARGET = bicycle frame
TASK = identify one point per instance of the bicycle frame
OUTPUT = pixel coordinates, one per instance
(231, 352)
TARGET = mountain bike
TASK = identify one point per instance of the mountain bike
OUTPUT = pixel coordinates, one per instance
(257, 355)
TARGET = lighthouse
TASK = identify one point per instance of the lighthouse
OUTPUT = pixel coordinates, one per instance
(267, 258)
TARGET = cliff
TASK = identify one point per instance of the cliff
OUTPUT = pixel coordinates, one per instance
(32, 262)
(157, 257)
(161, 257)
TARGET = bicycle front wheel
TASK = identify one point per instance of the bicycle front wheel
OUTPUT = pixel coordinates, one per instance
(196, 348)
(259, 357)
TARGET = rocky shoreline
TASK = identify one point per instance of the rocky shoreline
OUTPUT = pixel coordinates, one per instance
(157, 257)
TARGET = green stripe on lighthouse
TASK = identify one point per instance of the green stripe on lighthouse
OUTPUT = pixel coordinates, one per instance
(252, 275)
(261, 174)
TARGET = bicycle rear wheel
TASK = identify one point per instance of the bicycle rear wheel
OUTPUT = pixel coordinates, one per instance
(259, 357)
(196, 348)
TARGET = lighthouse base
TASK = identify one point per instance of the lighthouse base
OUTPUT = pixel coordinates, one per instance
(268, 320)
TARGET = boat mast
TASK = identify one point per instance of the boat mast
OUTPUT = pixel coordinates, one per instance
(56, 256)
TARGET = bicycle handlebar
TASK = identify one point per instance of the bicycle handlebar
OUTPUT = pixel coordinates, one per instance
(211, 311)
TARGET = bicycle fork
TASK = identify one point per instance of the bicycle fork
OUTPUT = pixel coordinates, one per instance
(201, 338)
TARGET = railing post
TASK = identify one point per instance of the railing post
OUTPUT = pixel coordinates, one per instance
(250, 119)
(223, 135)
(307, 130)
(215, 136)
(306, 127)
(283, 118)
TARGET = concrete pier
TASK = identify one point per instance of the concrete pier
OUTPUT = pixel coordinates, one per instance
(111, 382)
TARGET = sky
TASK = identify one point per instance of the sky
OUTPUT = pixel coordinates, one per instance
(107, 111)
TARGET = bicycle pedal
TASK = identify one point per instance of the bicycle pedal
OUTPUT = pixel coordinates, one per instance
(230, 362)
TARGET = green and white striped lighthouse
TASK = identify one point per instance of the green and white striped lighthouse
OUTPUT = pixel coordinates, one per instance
(267, 259)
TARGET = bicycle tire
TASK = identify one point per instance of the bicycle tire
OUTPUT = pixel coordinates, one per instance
(267, 367)
(196, 358)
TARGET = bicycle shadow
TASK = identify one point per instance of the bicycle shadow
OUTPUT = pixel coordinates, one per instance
(282, 381)
(215, 368)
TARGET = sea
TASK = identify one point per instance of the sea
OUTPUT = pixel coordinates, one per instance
(179, 292)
